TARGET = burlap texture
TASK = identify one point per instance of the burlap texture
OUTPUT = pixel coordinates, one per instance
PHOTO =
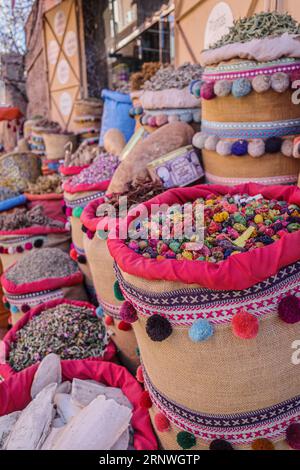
(268, 165)
(256, 107)
(76, 232)
(4, 313)
(103, 275)
(51, 240)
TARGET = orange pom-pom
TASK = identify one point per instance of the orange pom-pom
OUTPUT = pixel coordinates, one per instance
(162, 423)
(145, 401)
(124, 326)
(262, 444)
(140, 375)
(109, 320)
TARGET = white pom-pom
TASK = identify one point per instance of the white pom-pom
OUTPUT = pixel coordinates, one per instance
(280, 82)
(211, 143)
(261, 83)
(224, 147)
(11, 250)
(256, 148)
(296, 151)
(223, 88)
(287, 148)
(199, 140)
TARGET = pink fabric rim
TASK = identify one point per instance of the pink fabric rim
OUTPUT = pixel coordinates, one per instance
(85, 187)
(235, 273)
(71, 170)
(33, 231)
(41, 285)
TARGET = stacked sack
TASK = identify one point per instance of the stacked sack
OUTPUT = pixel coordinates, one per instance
(87, 120)
(37, 131)
(249, 120)
(166, 97)
(215, 321)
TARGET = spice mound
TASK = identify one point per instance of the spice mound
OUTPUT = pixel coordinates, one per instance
(23, 218)
(259, 26)
(171, 77)
(84, 155)
(46, 185)
(215, 228)
(101, 169)
(7, 193)
(70, 331)
(41, 264)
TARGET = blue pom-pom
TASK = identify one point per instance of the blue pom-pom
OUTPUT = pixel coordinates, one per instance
(201, 330)
(14, 309)
(195, 87)
(138, 110)
(240, 148)
(100, 312)
(241, 87)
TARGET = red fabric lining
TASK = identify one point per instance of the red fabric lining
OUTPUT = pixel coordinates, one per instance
(43, 284)
(43, 197)
(15, 393)
(71, 170)
(237, 272)
(86, 187)
(37, 230)
(6, 370)
(88, 216)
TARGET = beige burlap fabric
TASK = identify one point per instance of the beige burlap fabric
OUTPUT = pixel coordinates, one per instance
(103, 275)
(51, 240)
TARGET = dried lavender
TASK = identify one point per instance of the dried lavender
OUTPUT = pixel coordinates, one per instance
(171, 77)
(7, 193)
(42, 264)
(101, 169)
(23, 218)
(70, 331)
(259, 26)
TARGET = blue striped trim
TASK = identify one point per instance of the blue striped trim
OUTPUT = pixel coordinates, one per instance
(251, 130)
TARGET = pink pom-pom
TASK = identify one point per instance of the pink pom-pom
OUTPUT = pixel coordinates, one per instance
(140, 375)
(207, 91)
(124, 326)
(152, 121)
(28, 246)
(90, 234)
(245, 325)
(68, 211)
(162, 423)
(128, 312)
(289, 309)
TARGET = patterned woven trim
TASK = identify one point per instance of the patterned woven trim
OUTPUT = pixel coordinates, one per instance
(82, 202)
(36, 298)
(112, 310)
(271, 180)
(250, 65)
(80, 251)
(241, 428)
(251, 130)
(16, 240)
(248, 72)
(184, 306)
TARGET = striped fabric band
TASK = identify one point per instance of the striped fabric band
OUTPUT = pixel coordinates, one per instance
(251, 130)
(82, 202)
(238, 429)
(35, 298)
(270, 180)
(112, 310)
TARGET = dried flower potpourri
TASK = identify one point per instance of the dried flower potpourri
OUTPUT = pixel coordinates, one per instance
(70, 331)
(24, 218)
(41, 264)
(232, 225)
(101, 169)
(45, 185)
(259, 26)
(171, 77)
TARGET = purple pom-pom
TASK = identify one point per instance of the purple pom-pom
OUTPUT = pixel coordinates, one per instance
(293, 436)
(128, 312)
(289, 309)
(240, 148)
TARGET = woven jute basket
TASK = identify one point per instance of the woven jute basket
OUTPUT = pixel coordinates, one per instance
(55, 145)
(88, 106)
(224, 387)
(17, 169)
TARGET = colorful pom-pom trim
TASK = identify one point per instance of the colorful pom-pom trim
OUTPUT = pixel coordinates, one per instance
(14, 309)
(117, 291)
(201, 330)
(109, 321)
(293, 436)
(128, 312)
(140, 374)
(145, 400)
(124, 326)
(245, 325)
(220, 444)
(161, 422)
(289, 309)
(158, 328)
(77, 211)
(100, 311)
(185, 440)
(262, 444)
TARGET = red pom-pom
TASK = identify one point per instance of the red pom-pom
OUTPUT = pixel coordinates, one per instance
(245, 325)
(124, 326)
(140, 375)
(73, 254)
(109, 320)
(68, 211)
(207, 91)
(145, 401)
(28, 246)
(293, 436)
(162, 423)
(289, 309)
(128, 312)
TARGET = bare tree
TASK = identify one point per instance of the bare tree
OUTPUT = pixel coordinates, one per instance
(13, 16)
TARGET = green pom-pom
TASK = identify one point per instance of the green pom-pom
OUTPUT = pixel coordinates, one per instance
(137, 352)
(6, 304)
(118, 292)
(186, 440)
(77, 211)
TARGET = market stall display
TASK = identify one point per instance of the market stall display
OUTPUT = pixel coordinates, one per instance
(96, 224)
(239, 312)
(249, 118)
(60, 405)
(41, 275)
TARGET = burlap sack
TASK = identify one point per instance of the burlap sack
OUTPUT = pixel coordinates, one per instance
(104, 278)
(4, 313)
(224, 387)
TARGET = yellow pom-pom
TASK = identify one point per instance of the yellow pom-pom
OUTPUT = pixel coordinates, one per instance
(258, 219)
(187, 255)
